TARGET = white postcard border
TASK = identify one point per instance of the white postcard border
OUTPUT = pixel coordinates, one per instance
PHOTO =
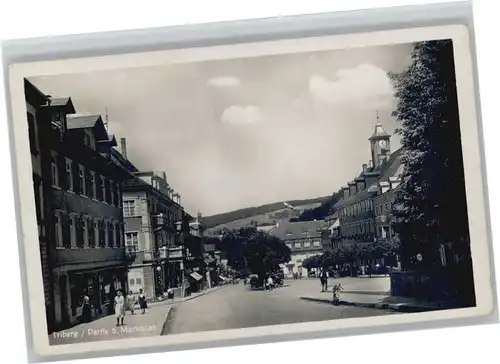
(472, 164)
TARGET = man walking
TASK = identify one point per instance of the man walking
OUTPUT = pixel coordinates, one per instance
(324, 280)
(131, 301)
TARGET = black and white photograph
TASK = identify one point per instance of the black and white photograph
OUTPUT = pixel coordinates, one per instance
(254, 190)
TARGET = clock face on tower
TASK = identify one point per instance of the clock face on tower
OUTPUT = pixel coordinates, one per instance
(382, 144)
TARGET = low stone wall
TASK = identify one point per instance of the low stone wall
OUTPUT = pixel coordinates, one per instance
(425, 286)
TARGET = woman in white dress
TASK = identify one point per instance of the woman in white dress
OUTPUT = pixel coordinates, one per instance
(119, 308)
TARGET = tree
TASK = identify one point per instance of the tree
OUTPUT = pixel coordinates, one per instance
(433, 186)
(312, 262)
(250, 249)
(265, 253)
(232, 246)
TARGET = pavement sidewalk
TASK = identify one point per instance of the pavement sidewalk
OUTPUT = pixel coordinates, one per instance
(135, 326)
(378, 301)
(376, 285)
(374, 292)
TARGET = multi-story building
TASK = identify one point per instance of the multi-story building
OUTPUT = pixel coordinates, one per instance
(305, 239)
(195, 264)
(333, 229)
(356, 208)
(35, 101)
(153, 233)
(82, 250)
(383, 203)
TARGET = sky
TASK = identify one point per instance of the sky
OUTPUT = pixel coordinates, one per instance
(245, 132)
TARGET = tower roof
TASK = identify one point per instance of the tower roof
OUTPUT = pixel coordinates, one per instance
(379, 132)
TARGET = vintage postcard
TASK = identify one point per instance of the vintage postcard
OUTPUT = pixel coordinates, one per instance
(255, 189)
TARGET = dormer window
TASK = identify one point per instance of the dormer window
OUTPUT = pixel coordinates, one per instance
(58, 120)
(289, 233)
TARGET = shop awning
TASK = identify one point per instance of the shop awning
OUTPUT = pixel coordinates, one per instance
(196, 276)
(223, 278)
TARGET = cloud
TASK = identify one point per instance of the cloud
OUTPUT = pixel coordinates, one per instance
(242, 115)
(224, 81)
(364, 86)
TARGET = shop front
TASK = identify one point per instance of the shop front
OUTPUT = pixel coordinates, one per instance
(99, 285)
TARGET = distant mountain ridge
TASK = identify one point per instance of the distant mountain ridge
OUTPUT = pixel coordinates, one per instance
(264, 214)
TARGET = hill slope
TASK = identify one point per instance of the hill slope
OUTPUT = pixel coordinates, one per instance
(264, 214)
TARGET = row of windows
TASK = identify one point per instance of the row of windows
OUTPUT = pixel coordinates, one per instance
(383, 209)
(136, 281)
(132, 241)
(305, 244)
(359, 228)
(79, 231)
(130, 209)
(75, 178)
(357, 208)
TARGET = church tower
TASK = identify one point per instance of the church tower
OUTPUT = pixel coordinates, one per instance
(380, 143)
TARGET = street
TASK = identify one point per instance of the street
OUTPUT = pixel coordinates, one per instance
(237, 306)
(228, 307)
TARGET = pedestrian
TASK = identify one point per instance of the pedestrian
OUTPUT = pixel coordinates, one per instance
(270, 283)
(119, 308)
(86, 309)
(170, 295)
(142, 301)
(131, 301)
(324, 280)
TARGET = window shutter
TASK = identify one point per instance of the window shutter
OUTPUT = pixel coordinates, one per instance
(75, 171)
(66, 233)
(61, 171)
(88, 176)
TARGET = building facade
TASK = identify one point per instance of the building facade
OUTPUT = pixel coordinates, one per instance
(305, 239)
(356, 209)
(80, 210)
(153, 222)
(383, 203)
(35, 101)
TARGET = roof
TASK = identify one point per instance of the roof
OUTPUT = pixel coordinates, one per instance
(266, 229)
(120, 159)
(112, 140)
(93, 122)
(63, 102)
(299, 230)
(83, 122)
(386, 170)
(33, 95)
(379, 132)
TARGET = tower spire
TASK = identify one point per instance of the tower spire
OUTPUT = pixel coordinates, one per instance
(378, 118)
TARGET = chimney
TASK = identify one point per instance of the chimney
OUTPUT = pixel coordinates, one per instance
(383, 187)
(123, 147)
(370, 164)
(164, 175)
(345, 190)
(365, 168)
(360, 184)
(394, 182)
(352, 188)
